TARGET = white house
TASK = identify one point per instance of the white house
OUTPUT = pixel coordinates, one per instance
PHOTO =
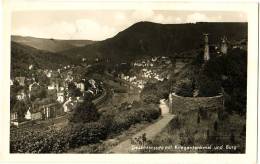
(81, 86)
(60, 97)
(48, 74)
(33, 84)
(51, 87)
(30, 67)
(20, 80)
(28, 115)
(21, 96)
(92, 82)
(67, 106)
(14, 116)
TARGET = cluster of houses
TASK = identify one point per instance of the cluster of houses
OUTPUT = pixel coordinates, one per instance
(57, 100)
(148, 69)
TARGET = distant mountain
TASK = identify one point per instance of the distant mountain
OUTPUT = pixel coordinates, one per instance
(23, 56)
(51, 45)
(140, 39)
(147, 38)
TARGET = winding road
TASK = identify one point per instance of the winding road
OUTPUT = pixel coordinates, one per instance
(150, 131)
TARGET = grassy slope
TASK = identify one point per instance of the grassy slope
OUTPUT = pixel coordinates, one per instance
(193, 134)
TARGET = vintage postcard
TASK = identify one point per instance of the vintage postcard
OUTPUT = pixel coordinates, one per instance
(156, 80)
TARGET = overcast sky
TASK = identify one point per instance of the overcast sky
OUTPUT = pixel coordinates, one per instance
(102, 24)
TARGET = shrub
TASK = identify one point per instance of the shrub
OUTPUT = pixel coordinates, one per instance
(82, 134)
(175, 123)
(198, 119)
(153, 92)
(232, 138)
(136, 104)
(208, 87)
(123, 120)
(222, 115)
(78, 134)
(203, 113)
(85, 112)
(234, 67)
(215, 125)
(56, 141)
(184, 88)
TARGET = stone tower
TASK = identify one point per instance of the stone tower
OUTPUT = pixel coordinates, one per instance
(170, 103)
(224, 47)
(206, 48)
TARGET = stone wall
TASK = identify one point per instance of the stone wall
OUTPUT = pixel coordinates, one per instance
(198, 118)
(99, 100)
(179, 104)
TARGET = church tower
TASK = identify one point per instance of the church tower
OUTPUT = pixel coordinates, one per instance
(224, 46)
(206, 48)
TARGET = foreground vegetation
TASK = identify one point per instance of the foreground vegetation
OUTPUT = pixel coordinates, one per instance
(223, 129)
(226, 135)
(93, 128)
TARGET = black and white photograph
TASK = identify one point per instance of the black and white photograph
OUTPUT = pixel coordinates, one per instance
(130, 80)
(134, 81)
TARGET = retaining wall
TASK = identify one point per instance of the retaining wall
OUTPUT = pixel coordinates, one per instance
(179, 104)
(99, 100)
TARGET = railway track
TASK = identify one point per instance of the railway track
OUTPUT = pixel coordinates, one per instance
(99, 100)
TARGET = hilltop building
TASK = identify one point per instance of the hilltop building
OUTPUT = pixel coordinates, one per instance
(224, 46)
(206, 48)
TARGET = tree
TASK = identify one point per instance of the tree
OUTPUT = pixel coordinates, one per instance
(243, 131)
(208, 134)
(215, 125)
(232, 138)
(42, 79)
(233, 67)
(208, 87)
(38, 92)
(14, 89)
(12, 101)
(184, 88)
(85, 112)
(149, 94)
(198, 119)
(21, 108)
(203, 113)
(73, 90)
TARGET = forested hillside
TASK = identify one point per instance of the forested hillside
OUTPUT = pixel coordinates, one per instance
(23, 56)
(152, 39)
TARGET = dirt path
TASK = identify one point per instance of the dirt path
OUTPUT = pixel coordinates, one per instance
(150, 131)
(164, 107)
